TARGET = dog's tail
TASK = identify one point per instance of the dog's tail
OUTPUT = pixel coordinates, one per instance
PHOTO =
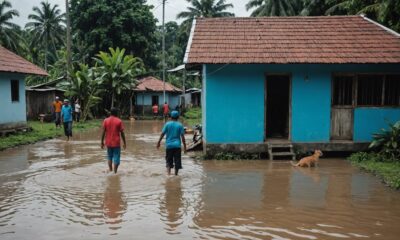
(294, 164)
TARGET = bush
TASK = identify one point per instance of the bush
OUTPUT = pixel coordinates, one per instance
(234, 156)
(387, 142)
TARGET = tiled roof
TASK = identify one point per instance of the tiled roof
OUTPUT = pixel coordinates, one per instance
(326, 39)
(153, 84)
(11, 62)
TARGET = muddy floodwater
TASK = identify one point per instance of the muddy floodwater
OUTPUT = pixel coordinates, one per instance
(60, 190)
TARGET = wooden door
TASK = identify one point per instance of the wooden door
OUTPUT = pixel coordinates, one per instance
(342, 123)
(342, 111)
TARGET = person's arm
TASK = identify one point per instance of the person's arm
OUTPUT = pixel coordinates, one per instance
(159, 140)
(123, 139)
(102, 138)
(183, 142)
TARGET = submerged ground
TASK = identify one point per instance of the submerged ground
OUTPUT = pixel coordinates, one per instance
(59, 190)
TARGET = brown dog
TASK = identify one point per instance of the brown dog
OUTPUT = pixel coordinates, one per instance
(309, 161)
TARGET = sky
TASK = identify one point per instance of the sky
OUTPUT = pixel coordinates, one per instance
(172, 8)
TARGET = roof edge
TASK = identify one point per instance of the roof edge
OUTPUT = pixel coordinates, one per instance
(380, 25)
(189, 45)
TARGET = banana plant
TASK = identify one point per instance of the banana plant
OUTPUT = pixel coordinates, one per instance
(117, 71)
(388, 141)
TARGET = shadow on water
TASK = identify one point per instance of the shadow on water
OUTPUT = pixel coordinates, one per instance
(60, 190)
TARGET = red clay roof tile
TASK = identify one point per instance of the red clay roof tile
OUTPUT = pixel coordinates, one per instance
(326, 39)
(11, 62)
(153, 84)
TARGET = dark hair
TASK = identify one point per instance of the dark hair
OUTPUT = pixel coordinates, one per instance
(114, 111)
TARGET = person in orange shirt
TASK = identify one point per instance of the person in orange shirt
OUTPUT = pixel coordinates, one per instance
(57, 105)
(155, 111)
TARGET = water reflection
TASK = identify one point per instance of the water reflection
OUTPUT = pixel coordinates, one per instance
(171, 204)
(114, 204)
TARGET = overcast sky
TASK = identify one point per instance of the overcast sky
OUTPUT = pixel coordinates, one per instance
(173, 7)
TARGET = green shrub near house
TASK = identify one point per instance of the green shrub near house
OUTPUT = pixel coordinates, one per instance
(384, 159)
(42, 131)
(192, 116)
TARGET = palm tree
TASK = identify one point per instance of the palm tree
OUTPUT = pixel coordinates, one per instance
(9, 37)
(274, 7)
(47, 27)
(117, 71)
(206, 8)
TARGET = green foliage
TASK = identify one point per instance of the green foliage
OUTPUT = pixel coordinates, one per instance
(192, 116)
(9, 36)
(117, 71)
(47, 29)
(85, 86)
(42, 131)
(388, 142)
(206, 8)
(102, 24)
(275, 7)
(374, 162)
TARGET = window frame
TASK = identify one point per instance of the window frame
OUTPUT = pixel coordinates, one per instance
(18, 97)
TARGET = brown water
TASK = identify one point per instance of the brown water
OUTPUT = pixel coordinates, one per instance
(59, 190)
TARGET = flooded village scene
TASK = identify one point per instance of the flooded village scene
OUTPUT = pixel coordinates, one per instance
(200, 119)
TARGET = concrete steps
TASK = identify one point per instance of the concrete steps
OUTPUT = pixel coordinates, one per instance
(281, 150)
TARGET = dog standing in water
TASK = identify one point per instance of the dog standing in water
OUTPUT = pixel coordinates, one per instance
(309, 161)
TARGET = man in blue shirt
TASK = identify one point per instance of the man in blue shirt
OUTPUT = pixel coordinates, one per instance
(66, 118)
(175, 133)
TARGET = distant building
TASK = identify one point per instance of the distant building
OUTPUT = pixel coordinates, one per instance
(192, 98)
(149, 91)
(40, 98)
(325, 82)
(13, 70)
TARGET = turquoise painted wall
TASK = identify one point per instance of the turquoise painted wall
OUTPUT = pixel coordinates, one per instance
(146, 99)
(233, 100)
(371, 120)
(12, 111)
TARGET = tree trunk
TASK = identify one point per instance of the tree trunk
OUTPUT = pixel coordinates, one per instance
(45, 50)
(112, 100)
(68, 40)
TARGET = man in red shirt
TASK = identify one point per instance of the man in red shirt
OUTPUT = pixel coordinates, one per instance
(165, 110)
(112, 129)
(155, 110)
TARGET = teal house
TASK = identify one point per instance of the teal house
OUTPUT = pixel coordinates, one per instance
(313, 82)
(13, 70)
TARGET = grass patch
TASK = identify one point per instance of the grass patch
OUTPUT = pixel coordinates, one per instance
(192, 116)
(43, 131)
(388, 171)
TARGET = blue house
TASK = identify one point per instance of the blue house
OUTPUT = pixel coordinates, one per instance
(13, 70)
(312, 82)
(149, 91)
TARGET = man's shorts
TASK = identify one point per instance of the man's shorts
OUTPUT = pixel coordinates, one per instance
(173, 157)
(114, 154)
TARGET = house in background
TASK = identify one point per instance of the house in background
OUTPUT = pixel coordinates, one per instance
(13, 70)
(149, 91)
(310, 82)
(192, 98)
(40, 98)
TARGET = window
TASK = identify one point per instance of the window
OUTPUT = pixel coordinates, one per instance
(370, 90)
(14, 90)
(392, 90)
(342, 90)
(154, 100)
(366, 90)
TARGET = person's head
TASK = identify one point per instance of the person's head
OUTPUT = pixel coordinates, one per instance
(66, 101)
(165, 102)
(77, 101)
(57, 98)
(114, 111)
(174, 115)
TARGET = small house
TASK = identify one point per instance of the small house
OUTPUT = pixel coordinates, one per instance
(13, 70)
(40, 98)
(326, 82)
(192, 98)
(150, 91)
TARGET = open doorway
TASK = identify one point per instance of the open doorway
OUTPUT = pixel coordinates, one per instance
(277, 106)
